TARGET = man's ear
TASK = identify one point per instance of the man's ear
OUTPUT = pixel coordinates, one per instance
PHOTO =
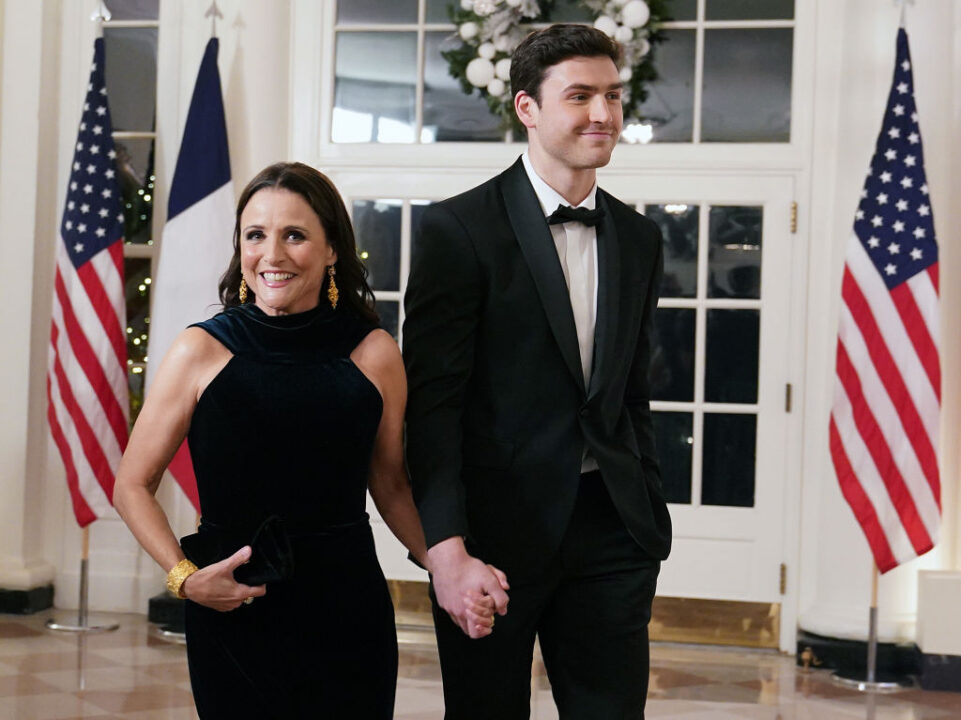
(526, 108)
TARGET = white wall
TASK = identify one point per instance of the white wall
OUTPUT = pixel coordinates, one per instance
(855, 62)
(272, 97)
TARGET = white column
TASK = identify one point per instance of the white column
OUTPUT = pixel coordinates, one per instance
(28, 83)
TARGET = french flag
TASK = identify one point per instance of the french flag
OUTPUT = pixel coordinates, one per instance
(197, 239)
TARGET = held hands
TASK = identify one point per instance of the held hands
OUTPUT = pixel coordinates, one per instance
(469, 590)
(214, 586)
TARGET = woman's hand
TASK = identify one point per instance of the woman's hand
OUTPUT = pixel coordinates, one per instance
(479, 612)
(214, 586)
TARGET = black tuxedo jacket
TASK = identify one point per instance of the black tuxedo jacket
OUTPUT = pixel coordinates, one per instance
(498, 412)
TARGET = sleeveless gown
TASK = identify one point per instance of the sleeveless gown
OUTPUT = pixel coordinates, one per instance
(287, 429)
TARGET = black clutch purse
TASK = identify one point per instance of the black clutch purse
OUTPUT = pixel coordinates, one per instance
(271, 559)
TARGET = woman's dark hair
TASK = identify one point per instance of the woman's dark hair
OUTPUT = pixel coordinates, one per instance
(319, 192)
(543, 49)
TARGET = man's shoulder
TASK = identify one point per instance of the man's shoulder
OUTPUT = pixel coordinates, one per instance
(621, 210)
(479, 198)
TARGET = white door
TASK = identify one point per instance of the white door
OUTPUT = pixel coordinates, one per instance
(719, 379)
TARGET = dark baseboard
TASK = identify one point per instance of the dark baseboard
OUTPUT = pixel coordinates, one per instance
(850, 656)
(166, 611)
(26, 602)
(940, 672)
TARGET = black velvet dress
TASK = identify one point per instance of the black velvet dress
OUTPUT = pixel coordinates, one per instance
(287, 429)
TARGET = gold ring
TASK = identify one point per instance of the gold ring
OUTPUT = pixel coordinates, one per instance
(249, 600)
(493, 617)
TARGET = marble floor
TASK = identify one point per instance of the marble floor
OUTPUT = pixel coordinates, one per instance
(132, 674)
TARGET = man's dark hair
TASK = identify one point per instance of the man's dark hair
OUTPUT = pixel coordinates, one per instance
(543, 49)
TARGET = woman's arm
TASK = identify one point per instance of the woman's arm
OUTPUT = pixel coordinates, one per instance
(193, 361)
(378, 357)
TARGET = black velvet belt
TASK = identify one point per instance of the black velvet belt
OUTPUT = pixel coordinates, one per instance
(272, 556)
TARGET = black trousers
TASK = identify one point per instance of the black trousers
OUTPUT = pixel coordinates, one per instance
(590, 609)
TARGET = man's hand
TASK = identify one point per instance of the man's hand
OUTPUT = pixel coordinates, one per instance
(215, 587)
(469, 590)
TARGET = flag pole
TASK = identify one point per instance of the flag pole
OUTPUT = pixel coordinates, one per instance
(870, 681)
(873, 627)
(213, 12)
(83, 620)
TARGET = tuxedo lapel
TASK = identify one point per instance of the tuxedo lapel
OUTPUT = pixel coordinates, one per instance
(608, 295)
(537, 245)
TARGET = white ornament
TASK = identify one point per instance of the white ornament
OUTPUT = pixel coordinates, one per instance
(643, 47)
(487, 51)
(619, 3)
(480, 72)
(623, 34)
(514, 3)
(635, 14)
(484, 7)
(496, 87)
(503, 43)
(626, 74)
(503, 69)
(469, 30)
(467, 5)
(606, 25)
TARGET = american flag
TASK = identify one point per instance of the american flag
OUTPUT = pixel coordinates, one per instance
(885, 420)
(87, 367)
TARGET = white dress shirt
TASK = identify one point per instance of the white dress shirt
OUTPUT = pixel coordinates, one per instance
(576, 245)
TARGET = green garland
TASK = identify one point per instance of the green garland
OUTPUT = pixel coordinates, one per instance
(489, 30)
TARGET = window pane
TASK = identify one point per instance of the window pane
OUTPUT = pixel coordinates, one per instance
(437, 11)
(728, 468)
(747, 85)
(130, 68)
(377, 228)
(669, 107)
(137, 292)
(135, 173)
(682, 10)
(369, 12)
(672, 359)
(388, 311)
(675, 439)
(374, 99)
(749, 10)
(730, 372)
(734, 264)
(450, 114)
(678, 223)
(135, 378)
(570, 11)
(133, 9)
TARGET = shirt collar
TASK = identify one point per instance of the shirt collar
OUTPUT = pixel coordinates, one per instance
(548, 197)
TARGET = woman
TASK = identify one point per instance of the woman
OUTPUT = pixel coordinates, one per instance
(292, 402)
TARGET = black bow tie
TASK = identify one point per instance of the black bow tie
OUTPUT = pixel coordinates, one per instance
(566, 213)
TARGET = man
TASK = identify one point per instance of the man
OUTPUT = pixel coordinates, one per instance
(529, 437)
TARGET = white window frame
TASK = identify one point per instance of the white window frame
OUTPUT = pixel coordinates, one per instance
(313, 46)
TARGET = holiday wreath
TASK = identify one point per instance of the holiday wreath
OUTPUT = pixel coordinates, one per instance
(489, 30)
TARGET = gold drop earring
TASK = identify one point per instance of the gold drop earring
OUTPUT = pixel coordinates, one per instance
(242, 292)
(332, 293)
